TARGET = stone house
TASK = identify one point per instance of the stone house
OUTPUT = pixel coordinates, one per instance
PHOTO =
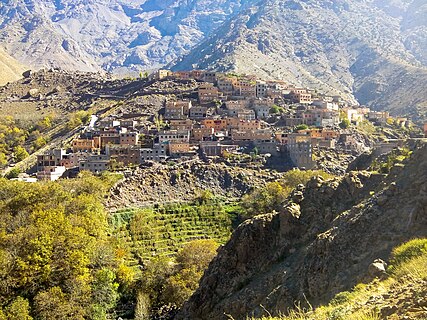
(198, 112)
(126, 154)
(129, 138)
(202, 133)
(160, 74)
(262, 107)
(49, 159)
(252, 135)
(245, 88)
(216, 149)
(110, 136)
(177, 109)
(210, 76)
(208, 93)
(51, 173)
(261, 89)
(72, 160)
(175, 148)
(157, 153)
(174, 136)
(181, 125)
(301, 97)
(245, 114)
(300, 150)
(95, 163)
(226, 84)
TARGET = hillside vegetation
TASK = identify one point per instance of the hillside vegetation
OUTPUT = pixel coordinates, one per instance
(400, 294)
(164, 229)
(61, 256)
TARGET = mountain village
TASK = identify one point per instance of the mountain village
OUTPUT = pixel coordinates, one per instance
(229, 115)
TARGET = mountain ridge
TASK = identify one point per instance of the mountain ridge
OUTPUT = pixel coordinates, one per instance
(371, 51)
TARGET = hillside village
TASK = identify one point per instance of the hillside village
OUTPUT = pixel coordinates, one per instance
(228, 115)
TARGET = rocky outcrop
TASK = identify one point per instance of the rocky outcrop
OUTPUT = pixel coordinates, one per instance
(184, 181)
(324, 241)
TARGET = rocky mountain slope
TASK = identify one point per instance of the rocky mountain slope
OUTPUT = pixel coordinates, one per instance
(184, 181)
(113, 35)
(372, 50)
(11, 70)
(321, 243)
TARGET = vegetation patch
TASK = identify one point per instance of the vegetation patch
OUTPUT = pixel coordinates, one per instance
(163, 230)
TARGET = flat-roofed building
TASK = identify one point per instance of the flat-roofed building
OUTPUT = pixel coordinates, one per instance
(177, 109)
(95, 163)
(181, 125)
(207, 93)
(129, 138)
(198, 112)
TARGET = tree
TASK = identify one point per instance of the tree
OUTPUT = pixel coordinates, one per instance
(197, 253)
(301, 127)
(142, 309)
(192, 259)
(54, 304)
(3, 159)
(345, 123)
(19, 309)
(13, 173)
(20, 153)
(265, 200)
(51, 238)
(104, 292)
(275, 109)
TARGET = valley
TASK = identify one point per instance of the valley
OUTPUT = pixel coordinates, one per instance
(200, 159)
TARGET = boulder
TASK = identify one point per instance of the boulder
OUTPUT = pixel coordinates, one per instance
(377, 269)
(27, 74)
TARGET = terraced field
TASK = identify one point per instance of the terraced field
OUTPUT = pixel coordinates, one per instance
(163, 230)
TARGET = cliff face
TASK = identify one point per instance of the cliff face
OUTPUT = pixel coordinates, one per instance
(321, 243)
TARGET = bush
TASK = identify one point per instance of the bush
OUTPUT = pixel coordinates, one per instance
(13, 174)
(345, 123)
(301, 127)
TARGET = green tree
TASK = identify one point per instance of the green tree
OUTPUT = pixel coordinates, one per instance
(301, 127)
(105, 293)
(13, 173)
(345, 123)
(265, 200)
(275, 109)
(20, 153)
(19, 309)
(3, 159)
